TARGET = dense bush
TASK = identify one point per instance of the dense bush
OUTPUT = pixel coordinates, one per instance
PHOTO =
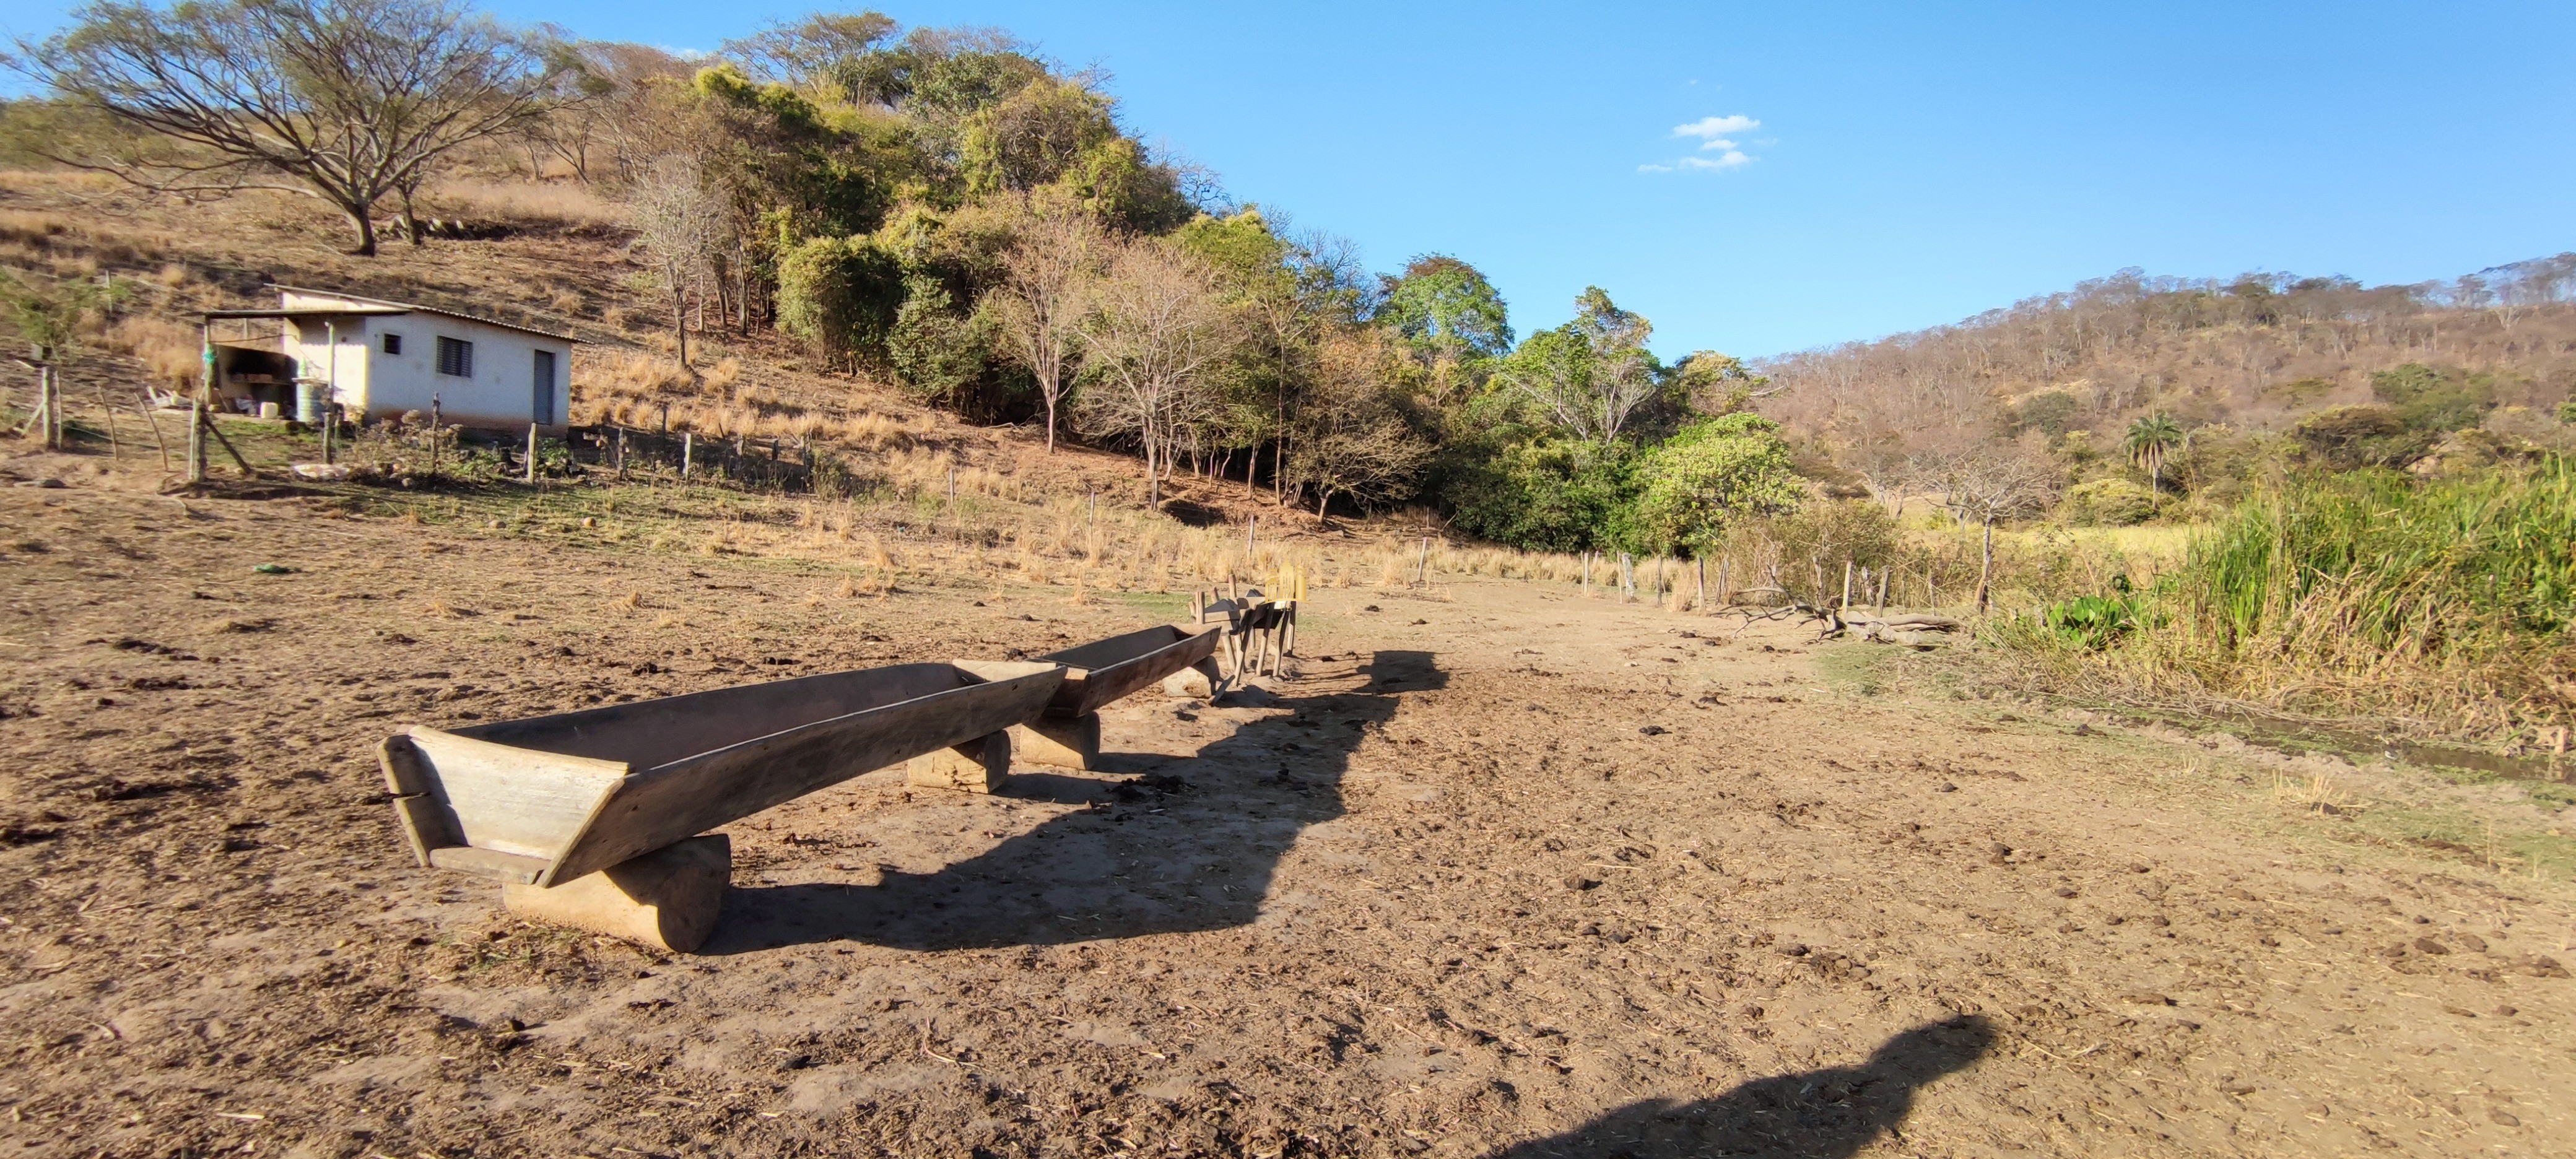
(2108, 503)
(1707, 476)
(1540, 495)
(841, 295)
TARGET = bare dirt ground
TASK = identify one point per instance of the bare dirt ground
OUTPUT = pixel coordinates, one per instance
(1499, 870)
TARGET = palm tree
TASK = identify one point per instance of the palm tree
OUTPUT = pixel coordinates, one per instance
(2150, 440)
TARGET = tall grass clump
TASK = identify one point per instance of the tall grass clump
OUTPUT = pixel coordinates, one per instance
(2444, 603)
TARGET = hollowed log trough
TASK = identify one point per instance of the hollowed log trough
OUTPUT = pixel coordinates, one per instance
(1068, 733)
(540, 804)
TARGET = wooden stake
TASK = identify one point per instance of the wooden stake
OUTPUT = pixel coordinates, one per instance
(688, 451)
(1724, 595)
(532, 453)
(155, 424)
(433, 434)
(248, 472)
(1422, 570)
(1847, 573)
(114, 450)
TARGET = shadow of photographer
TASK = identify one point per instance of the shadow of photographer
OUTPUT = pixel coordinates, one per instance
(1817, 1114)
(1191, 846)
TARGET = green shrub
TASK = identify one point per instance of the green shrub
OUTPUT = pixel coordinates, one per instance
(1542, 495)
(841, 295)
(2346, 438)
(1708, 476)
(2108, 503)
(936, 353)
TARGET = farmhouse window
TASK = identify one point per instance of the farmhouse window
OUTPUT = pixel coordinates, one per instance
(393, 343)
(456, 357)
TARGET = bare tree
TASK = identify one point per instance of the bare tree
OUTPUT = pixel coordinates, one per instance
(681, 223)
(1156, 334)
(1048, 275)
(342, 100)
(1989, 485)
(1353, 441)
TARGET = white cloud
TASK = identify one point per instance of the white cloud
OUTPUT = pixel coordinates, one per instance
(1716, 135)
(1716, 126)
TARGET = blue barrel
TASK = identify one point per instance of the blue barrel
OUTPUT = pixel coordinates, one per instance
(310, 396)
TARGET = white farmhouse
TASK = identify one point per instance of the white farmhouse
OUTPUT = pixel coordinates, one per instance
(380, 359)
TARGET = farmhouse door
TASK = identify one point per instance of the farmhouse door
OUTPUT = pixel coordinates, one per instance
(543, 413)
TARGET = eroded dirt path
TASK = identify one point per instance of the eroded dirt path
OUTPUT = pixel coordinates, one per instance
(1506, 870)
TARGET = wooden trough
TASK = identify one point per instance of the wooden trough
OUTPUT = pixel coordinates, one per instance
(1106, 670)
(1099, 672)
(545, 801)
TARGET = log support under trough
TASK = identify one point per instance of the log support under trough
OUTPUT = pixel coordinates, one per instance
(976, 766)
(1203, 680)
(1052, 740)
(667, 899)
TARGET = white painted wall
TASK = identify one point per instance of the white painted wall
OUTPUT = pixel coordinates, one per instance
(501, 392)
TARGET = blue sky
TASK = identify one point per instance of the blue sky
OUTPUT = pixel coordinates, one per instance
(1904, 165)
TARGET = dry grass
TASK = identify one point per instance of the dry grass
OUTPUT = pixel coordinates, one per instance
(168, 350)
(566, 202)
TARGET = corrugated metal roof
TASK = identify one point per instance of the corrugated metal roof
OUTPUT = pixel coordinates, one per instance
(414, 308)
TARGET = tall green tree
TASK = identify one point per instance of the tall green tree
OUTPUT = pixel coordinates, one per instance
(1451, 319)
(1592, 376)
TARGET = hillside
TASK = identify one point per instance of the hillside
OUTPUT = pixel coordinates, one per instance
(2254, 353)
(551, 256)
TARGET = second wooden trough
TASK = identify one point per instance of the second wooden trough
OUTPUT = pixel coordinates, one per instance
(1105, 670)
(549, 799)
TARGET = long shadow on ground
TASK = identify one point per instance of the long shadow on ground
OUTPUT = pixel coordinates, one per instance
(1196, 854)
(1817, 1114)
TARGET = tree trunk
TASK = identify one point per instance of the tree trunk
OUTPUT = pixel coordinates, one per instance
(410, 220)
(1986, 571)
(365, 224)
(1323, 496)
(1050, 401)
(680, 319)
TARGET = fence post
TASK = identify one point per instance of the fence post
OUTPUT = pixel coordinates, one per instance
(688, 451)
(1847, 572)
(1422, 570)
(532, 453)
(196, 406)
(433, 434)
(1627, 578)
